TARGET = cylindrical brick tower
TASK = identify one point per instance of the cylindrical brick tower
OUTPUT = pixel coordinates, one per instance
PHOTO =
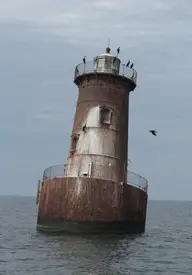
(93, 192)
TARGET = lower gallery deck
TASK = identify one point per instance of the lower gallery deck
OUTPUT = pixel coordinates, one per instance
(90, 205)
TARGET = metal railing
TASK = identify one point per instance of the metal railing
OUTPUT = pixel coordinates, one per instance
(88, 67)
(57, 171)
(108, 172)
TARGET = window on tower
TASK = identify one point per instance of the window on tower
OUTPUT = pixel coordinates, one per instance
(105, 115)
(74, 142)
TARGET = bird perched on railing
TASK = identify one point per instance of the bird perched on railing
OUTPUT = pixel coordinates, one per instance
(118, 50)
(84, 128)
(76, 70)
(127, 65)
(153, 132)
(131, 66)
(84, 59)
(114, 59)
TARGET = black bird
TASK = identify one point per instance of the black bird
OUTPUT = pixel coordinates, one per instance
(84, 60)
(153, 132)
(118, 50)
(128, 64)
(84, 127)
(131, 66)
(114, 59)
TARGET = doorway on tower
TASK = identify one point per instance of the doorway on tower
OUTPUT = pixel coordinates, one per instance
(85, 169)
(105, 115)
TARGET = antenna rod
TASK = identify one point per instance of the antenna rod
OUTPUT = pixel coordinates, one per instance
(108, 42)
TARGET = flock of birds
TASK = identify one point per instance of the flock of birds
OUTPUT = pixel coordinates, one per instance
(153, 132)
(114, 59)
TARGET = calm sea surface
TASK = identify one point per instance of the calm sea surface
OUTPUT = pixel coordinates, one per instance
(165, 248)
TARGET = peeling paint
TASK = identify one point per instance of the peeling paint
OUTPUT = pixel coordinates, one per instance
(79, 186)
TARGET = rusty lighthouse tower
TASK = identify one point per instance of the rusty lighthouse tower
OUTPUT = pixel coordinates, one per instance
(94, 192)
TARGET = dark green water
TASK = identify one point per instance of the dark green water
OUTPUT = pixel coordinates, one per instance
(165, 248)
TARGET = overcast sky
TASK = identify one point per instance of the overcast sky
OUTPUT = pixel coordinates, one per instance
(40, 44)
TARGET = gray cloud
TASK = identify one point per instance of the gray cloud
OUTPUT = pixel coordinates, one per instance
(40, 44)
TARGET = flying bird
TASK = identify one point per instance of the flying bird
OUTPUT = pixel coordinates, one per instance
(118, 50)
(84, 60)
(153, 132)
(131, 66)
(128, 64)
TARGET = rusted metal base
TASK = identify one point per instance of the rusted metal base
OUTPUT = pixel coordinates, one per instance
(88, 227)
(90, 205)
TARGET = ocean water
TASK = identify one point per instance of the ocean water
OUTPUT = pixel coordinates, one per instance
(165, 248)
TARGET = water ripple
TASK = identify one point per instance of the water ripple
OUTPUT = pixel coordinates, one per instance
(165, 248)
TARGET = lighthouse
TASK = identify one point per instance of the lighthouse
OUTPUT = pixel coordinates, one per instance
(94, 192)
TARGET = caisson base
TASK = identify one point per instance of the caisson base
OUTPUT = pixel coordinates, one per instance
(88, 227)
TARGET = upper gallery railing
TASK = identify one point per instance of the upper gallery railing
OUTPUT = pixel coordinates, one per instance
(88, 67)
(60, 171)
